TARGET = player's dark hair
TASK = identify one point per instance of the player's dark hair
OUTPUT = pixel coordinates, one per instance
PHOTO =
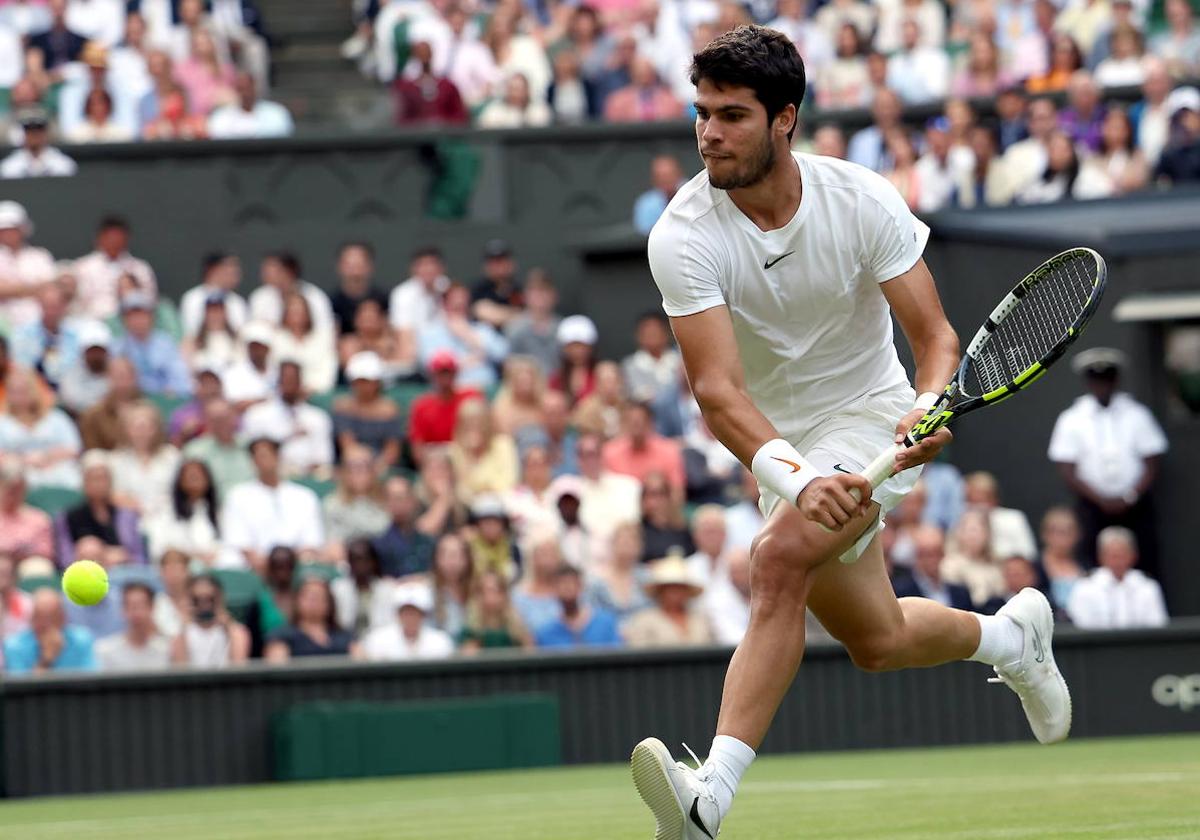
(764, 60)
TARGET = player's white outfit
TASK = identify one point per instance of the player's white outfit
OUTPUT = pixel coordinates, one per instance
(813, 329)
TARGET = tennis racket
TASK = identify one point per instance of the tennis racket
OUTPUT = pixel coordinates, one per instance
(1029, 331)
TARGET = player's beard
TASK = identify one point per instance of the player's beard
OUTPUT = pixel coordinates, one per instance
(759, 165)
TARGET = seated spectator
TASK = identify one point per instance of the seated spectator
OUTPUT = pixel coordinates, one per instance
(1012, 125)
(210, 637)
(49, 644)
(366, 417)
(534, 330)
(25, 531)
(427, 98)
(356, 507)
(930, 17)
(496, 298)
(476, 346)
(98, 124)
(1116, 595)
(1065, 61)
(155, 355)
(572, 97)
(269, 511)
(1179, 45)
(600, 412)
(215, 344)
(491, 620)
(144, 466)
(219, 449)
(171, 602)
(640, 451)
(207, 79)
(580, 547)
(452, 574)
(981, 74)
(187, 421)
(16, 606)
(189, 525)
(675, 619)
(464, 60)
(408, 637)
(50, 344)
(98, 274)
(277, 601)
(36, 158)
(576, 375)
(35, 437)
(518, 403)
(554, 433)
(1123, 67)
(356, 283)
(942, 166)
(903, 174)
(516, 109)
(220, 275)
(655, 366)
(1058, 178)
(254, 376)
(433, 416)
(1083, 119)
(27, 270)
(918, 72)
(418, 300)
(364, 598)
(532, 505)
(1180, 161)
(706, 564)
(644, 99)
(969, 560)
(842, 82)
(1149, 115)
(577, 623)
(830, 141)
(666, 177)
(299, 339)
(712, 470)
(1018, 574)
(663, 529)
(743, 519)
(491, 543)
(405, 545)
(1011, 533)
(485, 461)
(515, 51)
(925, 578)
(1119, 168)
(59, 44)
(535, 595)
(1024, 162)
(85, 383)
(1060, 553)
(249, 116)
(982, 185)
(727, 601)
(280, 275)
(437, 492)
(372, 334)
(99, 517)
(616, 584)
(313, 630)
(141, 647)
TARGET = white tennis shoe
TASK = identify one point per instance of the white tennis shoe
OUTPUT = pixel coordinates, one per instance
(684, 807)
(1035, 678)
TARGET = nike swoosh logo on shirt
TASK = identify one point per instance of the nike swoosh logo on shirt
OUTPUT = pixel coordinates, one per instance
(795, 467)
(695, 815)
(770, 263)
(842, 469)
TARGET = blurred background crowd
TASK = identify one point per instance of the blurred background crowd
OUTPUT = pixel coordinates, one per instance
(386, 462)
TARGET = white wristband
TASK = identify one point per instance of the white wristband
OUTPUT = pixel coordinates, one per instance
(926, 400)
(782, 470)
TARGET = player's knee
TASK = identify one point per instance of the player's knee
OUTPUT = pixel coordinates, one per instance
(877, 653)
(778, 571)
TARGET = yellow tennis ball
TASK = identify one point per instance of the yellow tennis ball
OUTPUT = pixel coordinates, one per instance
(85, 582)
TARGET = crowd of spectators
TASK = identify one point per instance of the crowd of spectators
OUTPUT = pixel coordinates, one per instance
(111, 71)
(336, 469)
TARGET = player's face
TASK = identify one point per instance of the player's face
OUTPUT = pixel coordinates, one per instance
(734, 136)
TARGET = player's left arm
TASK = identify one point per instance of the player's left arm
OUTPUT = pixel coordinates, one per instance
(915, 302)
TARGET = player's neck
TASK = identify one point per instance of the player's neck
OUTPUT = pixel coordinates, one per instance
(773, 201)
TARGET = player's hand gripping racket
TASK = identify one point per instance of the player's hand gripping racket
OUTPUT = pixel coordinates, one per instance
(1030, 330)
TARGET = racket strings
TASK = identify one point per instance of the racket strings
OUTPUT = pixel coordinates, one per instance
(1037, 324)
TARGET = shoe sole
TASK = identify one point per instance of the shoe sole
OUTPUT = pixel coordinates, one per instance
(649, 765)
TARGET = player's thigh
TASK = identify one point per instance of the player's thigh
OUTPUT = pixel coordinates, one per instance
(791, 545)
(855, 602)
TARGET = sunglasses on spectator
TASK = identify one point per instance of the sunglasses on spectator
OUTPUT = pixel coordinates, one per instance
(203, 601)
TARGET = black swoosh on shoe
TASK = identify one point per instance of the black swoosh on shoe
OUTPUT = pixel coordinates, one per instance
(695, 815)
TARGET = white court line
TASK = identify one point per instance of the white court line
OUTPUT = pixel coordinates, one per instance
(802, 785)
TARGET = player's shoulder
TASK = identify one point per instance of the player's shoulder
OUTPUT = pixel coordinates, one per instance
(694, 203)
(830, 173)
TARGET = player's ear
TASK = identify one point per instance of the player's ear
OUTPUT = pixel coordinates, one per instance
(785, 120)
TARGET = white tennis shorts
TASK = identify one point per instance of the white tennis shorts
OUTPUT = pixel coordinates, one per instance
(849, 440)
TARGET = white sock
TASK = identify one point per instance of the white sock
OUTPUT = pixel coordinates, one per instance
(1001, 641)
(729, 758)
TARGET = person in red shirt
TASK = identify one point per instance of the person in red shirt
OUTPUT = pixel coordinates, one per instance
(433, 415)
(639, 451)
(427, 98)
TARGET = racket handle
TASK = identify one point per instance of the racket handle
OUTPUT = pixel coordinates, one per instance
(879, 470)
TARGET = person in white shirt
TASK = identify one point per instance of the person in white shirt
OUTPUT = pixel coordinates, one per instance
(1107, 448)
(252, 379)
(811, 40)
(942, 166)
(409, 637)
(249, 117)
(140, 647)
(280, 275)
(97, 275)
(607, 499)
(270, 512)
(1153, 111)
(1024, 162)
(654, 367)
(220, 276)
(707, 564)
(929, 16)
(24, 269)
(98, 20)
(465, 61)
(36, 158)
(743, 519)
(306, 431)
(1116, 596)
(418, 300)
(781, 272)
(726, 601)
(918, 73)
(1011, 532)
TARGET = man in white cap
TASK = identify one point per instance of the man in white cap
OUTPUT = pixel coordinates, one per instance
(24, 268)
(409, 637)
(1107, 447)
(36, 158)
(1180, 159)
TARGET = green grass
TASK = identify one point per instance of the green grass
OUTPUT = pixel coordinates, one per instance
(1143, 788)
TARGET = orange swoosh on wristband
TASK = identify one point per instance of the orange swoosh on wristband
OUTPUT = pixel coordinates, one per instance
(795, 467)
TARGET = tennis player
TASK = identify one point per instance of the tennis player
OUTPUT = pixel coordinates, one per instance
(779, 272)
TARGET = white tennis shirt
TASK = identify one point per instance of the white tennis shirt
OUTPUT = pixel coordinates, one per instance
(813, 327)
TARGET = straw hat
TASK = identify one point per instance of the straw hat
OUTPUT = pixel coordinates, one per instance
(672, 571)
